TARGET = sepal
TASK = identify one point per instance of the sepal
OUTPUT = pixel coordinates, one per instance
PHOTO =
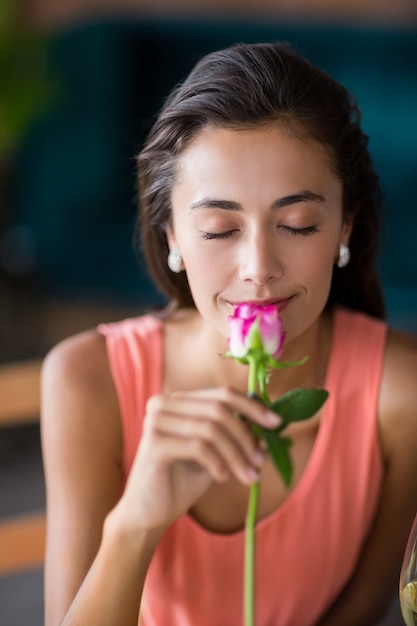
(279, 365)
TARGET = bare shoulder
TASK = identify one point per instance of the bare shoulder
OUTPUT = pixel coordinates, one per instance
(82, 452)
(81, 361)
(398, 400)
(400, 369)
(78, 395)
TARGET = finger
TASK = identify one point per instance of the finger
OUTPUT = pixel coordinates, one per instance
(214, 418)
(241, 463)
(252, 409)
(174, 448)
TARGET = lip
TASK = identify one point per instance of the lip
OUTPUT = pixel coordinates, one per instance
(280, 303)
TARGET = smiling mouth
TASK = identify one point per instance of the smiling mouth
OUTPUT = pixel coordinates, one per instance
(280, 303)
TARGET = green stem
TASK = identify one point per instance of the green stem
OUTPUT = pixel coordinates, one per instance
(249, 588)
(263, 385)
(250, 524)
(252, 379)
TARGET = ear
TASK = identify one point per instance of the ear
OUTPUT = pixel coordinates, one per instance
(172, 242)
(346, 232)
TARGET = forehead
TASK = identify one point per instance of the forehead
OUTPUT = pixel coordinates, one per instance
(274, 154)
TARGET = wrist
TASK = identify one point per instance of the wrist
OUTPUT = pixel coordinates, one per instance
(118, 527)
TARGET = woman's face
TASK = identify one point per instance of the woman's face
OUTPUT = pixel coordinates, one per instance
(257, 216)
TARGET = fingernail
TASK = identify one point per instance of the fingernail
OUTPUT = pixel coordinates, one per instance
(273, 419)
(252, 474)
(258, 458)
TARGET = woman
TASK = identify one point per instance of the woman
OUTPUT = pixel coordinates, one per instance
(256, 185)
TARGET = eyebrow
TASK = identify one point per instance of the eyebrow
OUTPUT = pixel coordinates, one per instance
(229, 205)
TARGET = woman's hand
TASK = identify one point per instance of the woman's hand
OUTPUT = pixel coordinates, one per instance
(189, 440)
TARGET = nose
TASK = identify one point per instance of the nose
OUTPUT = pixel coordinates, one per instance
(260, 262)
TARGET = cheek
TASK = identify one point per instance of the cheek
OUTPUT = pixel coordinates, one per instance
(206, 272)
(320, 272)
(321, 264)
(312, 270)
(314, 260)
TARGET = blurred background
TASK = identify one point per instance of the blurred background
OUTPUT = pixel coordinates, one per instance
(80, 84)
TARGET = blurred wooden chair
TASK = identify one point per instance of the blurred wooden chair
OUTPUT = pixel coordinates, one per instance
(22, 538)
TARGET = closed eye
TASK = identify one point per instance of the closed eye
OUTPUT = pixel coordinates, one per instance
(225, 235)
(308, 230)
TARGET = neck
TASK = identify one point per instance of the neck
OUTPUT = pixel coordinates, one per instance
(315, 344)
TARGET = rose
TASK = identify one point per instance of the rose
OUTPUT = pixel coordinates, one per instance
(255, 327)
(257, 339)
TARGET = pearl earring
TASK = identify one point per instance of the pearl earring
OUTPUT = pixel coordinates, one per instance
(174, 261)
(344, 255)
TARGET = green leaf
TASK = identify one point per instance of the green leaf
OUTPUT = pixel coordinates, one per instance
(299, 404)
(296, 405)
(279, 449)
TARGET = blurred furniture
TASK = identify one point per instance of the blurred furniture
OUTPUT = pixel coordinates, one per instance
(22, 537)
(22, 543)
(19, 392)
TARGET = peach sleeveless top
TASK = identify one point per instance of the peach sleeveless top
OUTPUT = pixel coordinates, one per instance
(308, 548)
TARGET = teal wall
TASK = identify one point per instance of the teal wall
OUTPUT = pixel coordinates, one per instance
(76, 178)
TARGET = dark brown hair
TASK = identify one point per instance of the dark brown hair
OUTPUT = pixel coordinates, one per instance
(245, 86)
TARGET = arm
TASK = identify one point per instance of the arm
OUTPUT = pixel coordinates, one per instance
(375, 580)
(82, 447)
(100, 540)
